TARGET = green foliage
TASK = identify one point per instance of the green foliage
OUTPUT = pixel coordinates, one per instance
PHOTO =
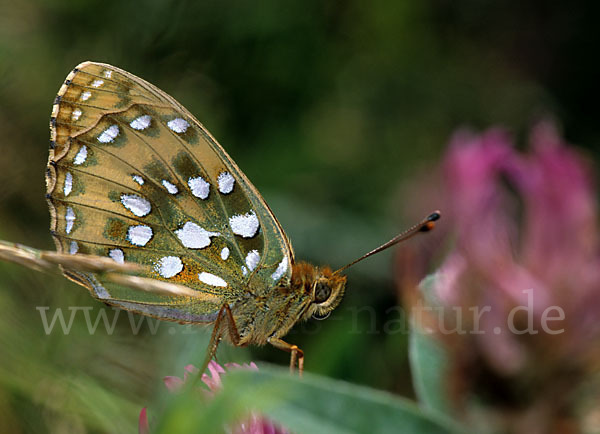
(303, 405)
(429, 361)
(429, 365)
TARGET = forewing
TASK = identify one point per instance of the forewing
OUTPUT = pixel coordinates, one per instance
(134, 176)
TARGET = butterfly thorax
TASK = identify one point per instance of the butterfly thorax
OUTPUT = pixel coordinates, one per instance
(313, 292)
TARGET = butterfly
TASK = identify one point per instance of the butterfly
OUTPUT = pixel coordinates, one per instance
(133, 176)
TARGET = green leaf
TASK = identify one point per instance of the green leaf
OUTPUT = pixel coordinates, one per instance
(303, 405)
(428, 362)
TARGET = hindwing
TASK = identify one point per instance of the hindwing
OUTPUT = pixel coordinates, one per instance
(134, 176)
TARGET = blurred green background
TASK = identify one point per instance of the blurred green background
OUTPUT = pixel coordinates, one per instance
(328, 107)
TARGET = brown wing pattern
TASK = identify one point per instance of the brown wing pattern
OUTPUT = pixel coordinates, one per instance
(134, 176)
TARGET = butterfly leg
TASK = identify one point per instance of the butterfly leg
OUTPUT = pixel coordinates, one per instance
(234, 335)
(296, 354)
(215, 337)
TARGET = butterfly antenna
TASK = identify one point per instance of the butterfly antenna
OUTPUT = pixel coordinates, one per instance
(425, 225)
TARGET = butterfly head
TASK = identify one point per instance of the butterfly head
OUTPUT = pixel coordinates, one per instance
(323, 288)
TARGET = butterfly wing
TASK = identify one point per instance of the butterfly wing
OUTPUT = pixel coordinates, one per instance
(134, 176)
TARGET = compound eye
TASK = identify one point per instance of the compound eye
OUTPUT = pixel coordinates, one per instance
(322, 292)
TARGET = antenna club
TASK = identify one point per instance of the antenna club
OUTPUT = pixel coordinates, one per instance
(429, 224)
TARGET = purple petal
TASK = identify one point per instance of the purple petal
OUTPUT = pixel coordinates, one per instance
(256, 424)
(143, 426)
(477, 201)
(189, 370)
(174, 384)
(560, 237)
(213, 381)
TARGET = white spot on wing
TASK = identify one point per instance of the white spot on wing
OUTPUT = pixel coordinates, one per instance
(81, 156)
(252, 259)
(109, 134)
(76, 114)
(107, 73)
(211, 279)
(171, 188)
(117, 256)
(137, 205)
(193, 236)
(73, 248)
(139, 235)
(70, 219)
(245, 225)
(169, 266)
(200, 188)
(281, 269)
(244, 270)
(138, 179)
(97, 83)
(226, 182)
(86, 95)
(141, 123)
(178, 125)
(68, 184)
(225, 253)
(100, 290)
